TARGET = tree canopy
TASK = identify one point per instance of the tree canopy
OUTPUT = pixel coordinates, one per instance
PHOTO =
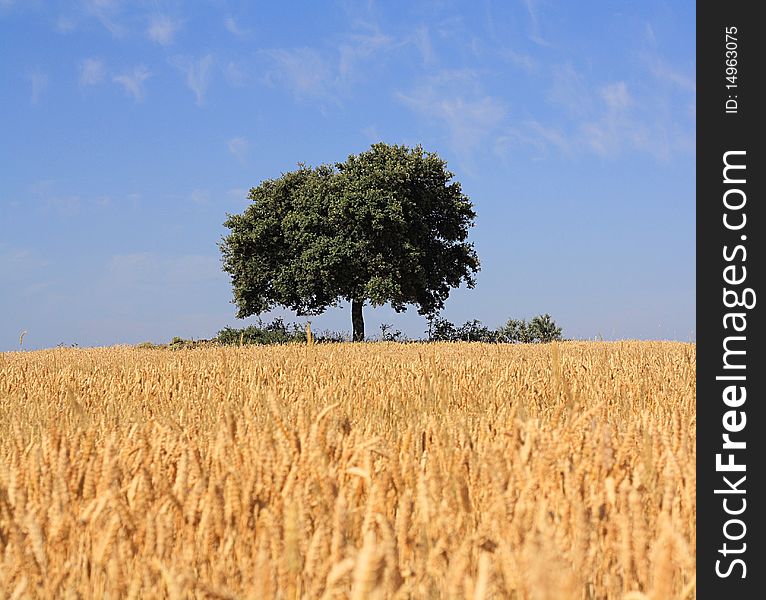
(389, 225)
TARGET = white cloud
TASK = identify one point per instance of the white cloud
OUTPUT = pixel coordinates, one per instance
(605, 119)
(134, 82)
(524, 61)
(371, 134)
(308, 73)
(616, 96)
(234, 74)
(18, 261)
(39, 81)
(532, 133)
(65, 24)
(238, 146)
(105, 12)
(455, 99)
(668, 74)
(570, 91)
(233, 27)
(197, 74)
(163, 29)
(358, 48)
(303, 71)
(51, 200)
(534, 16)
(422, 40)
(92, 72)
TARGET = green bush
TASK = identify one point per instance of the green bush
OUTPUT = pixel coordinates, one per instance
(541, 329)
(389, 334)
(442, 330)
(276, 332)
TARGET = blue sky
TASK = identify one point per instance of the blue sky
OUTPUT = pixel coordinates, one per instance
(130, 129)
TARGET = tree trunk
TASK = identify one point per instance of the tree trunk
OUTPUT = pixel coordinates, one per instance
(357, 320)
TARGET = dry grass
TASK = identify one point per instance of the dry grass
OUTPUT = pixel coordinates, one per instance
(349, 471)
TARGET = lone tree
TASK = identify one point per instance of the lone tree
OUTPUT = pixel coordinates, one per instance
(387, 226)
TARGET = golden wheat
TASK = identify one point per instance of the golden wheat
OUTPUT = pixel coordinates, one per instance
(349, 471)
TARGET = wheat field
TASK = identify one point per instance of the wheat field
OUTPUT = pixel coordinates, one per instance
(470, 471)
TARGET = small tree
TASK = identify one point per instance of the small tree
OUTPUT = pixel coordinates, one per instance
(474, 331)
(540, 329)
(515, 331)
(387, 226)
(441, 330)
(543, 329)
(389, 334)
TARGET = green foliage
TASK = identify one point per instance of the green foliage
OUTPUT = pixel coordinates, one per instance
(474, 331)
(179, 343)
(387, 226)
(470, 331)
(331, 337)
(541, 329)
(276, 332)
(148, 346)
(515, 331)
(389, 334)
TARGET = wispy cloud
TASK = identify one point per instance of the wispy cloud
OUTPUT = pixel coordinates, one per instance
(358, 47)
(238, 146)
(534, 17)
(421, 38)
(234, 27)
(65, 24)
(605, 118)
(133, 82)
(197, 74)
(662, 69)
(619, 122)
(19, 264)
(163, 29)
(665, 72)
(50, 199)
(371, 134)
(570, 91)
(616, 96)
(616, 128)
(105, 12)
(303, 71)
(524, 61)
(39, 81)
(328, 75)
(456, 100)
(92, 72)
(532, 133)
(235, 74)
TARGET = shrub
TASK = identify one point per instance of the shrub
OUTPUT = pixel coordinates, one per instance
(276, 332)
(541, 329)
(442, 330)
(389, 334)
